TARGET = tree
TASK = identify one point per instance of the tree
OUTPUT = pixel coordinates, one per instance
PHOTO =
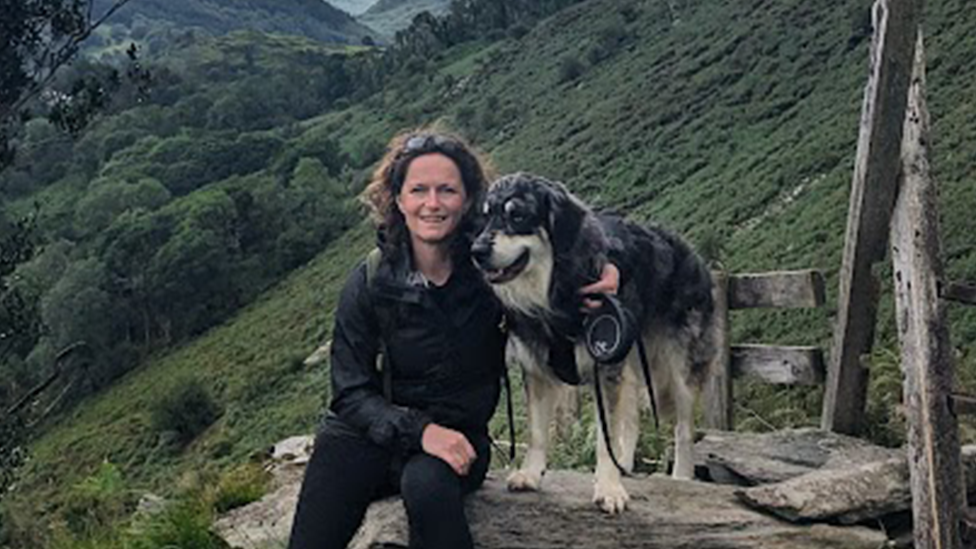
(19, 330)
(19, 320)
(37, 38)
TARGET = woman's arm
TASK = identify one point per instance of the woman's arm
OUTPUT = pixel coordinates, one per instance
(357, 386)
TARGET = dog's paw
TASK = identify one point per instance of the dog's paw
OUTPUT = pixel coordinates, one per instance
(524, 481)
(611, 498)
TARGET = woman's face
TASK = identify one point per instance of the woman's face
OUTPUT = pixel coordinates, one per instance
(432, 199)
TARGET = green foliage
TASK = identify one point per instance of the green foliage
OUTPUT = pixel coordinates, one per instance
(570, 68)
(108, 198)
(13, 436)
(39, 41)
(240, 486)
(184, 412)
(183, 524)
(97, 502)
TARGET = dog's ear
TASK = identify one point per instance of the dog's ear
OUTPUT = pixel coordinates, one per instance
(566, 216)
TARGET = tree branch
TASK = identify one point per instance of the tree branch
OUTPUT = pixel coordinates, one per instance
(57, 59)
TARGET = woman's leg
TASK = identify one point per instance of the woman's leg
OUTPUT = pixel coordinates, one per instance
(344, 474)
(432, 494)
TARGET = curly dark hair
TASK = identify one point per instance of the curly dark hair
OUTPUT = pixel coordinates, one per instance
(381, 192)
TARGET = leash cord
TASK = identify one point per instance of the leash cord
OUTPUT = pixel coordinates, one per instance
(601, 411)
(645, 367)
(603, 423)
(511, 417)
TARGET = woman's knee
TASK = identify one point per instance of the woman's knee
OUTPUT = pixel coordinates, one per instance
(428, 481)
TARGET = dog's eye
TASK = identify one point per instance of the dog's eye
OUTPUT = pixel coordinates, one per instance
(517, 217)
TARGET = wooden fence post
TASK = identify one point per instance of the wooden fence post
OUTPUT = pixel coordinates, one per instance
(933, 434)
(872, 199)
(718, 388)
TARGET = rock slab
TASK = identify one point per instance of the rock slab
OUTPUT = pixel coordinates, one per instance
(748, 459)
(663, 513)
(849, 496)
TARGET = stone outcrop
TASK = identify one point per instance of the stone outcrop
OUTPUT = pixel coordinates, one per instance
(848, 495)
(662, 513)
(748, 459)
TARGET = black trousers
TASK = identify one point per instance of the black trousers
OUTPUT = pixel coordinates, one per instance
(347, 471)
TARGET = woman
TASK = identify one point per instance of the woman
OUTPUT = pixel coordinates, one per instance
(421, 430)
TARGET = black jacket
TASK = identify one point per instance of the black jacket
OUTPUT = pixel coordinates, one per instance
(443, 345)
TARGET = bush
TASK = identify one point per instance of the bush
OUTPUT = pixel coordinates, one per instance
(570, 68)
(597, 53)
(518, 31)
(185, 524)
(242, 485)
(97, 502)
(629, 12)
(185, 412)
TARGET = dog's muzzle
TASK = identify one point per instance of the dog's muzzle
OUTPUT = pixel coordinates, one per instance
(482, 252)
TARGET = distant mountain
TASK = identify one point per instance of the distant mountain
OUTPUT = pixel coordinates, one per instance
(353, 7)
(389, 16)
(312, 18)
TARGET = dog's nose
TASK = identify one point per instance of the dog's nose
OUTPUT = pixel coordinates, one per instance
(481, 250)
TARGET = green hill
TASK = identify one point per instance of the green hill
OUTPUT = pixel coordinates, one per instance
(389, 16)
(733, 123)
(157, 23)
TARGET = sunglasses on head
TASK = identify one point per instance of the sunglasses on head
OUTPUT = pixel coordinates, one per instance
(428, 142)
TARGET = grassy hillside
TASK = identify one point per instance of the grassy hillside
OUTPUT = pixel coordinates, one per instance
(252, 366)
(158, 23)
(389, 16)
(732, 122)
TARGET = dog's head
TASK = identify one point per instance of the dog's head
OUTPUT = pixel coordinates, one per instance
(530, 221)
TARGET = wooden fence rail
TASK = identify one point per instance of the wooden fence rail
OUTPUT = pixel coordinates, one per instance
(771, 363)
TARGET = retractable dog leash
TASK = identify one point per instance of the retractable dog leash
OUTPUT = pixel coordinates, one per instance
(609, 333)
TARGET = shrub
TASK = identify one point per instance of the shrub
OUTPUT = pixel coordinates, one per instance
(518, 31)
(465, 117)
(597, 53)
(570, 68)
(184, 524)
(97, 502)
(240, 486)
(185, 412)
(629, 12)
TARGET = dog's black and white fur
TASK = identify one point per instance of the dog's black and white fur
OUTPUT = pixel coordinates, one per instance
(539, 246)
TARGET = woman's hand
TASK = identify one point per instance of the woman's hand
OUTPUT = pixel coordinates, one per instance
(450, 446)
(609, 283)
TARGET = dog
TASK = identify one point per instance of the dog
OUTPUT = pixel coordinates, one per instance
(539, 245)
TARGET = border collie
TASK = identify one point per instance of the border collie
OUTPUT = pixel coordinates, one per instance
(540, 244)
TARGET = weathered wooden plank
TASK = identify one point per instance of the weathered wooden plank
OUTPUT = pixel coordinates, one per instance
(873, 189)
(785, 289)
(926, 356)
(718, 388)
(962, 405)
(962, 293)
(779, 364)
